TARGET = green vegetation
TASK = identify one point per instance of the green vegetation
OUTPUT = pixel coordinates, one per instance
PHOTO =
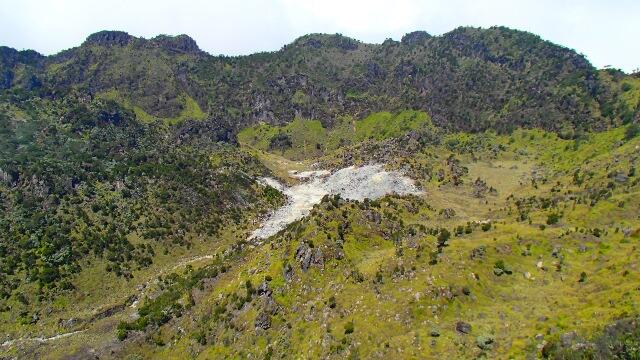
(83, 183)
(391, 275)
(128, 191)
(189, 109)
(620, 340)
(468, 79)
(632, 131)
(175, 298)
(304, 139)
(384, 125)
(631, 91)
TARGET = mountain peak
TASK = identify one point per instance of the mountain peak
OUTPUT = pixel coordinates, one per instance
(318, 41)
(415, 37)
(10, 55)
(109, 38)
(179, 43)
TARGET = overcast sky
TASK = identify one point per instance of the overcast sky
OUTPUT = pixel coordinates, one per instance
(607, 32)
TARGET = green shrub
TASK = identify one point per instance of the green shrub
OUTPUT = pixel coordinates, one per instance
(200, 337)
(632, 131)
(332, 302)
(349, 328)
(620, 340)
(443, 237)
(583, 277)
(122, 332)
(553, 218)
(500, 267)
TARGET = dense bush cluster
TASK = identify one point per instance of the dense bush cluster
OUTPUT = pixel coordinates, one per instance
(80, 176)
(619, 340)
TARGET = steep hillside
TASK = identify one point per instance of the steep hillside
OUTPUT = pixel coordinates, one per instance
(471, 79)
(82, 181)
(514, 251)
(521, 246)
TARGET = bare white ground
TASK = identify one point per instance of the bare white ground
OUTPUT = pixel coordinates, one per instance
(355, 183)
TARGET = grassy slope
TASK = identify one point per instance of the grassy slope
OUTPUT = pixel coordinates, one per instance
(309, 139)
(395, 317)
(190, 109)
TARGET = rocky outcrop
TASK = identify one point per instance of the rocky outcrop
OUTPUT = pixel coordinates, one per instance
(178, 44)
(319, 41)
(264, 290)
(415, 38)
(480, 188)
(463, 327)
(448, 213)
(479, 252)
(288, 272)
(263, 320)
(308, 256)
(109, 38)
(456, 170)
(269, 307)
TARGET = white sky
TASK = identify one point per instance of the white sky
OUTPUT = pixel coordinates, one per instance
(607, 32)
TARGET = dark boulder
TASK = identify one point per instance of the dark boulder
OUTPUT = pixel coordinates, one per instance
(308, 256)
(288, 272)
(263, 320)
(264, 289)
(567, 339)
(463, 327)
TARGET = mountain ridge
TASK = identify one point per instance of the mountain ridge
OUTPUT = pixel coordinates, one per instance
(325, 76)
(415, 36)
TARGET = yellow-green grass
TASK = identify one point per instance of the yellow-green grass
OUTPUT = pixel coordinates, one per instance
(394, 318)
(190, 110)
(309, 139)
